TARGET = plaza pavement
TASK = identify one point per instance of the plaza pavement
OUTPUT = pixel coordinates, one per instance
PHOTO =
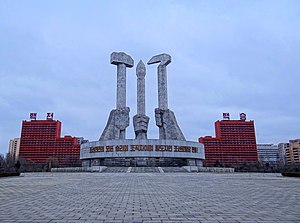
(150, 197)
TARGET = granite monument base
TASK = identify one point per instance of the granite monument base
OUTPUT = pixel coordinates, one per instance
(142, 153)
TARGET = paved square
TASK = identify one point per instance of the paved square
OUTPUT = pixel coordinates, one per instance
(149, 197)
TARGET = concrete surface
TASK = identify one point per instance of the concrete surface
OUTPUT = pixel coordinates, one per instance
(150, 197)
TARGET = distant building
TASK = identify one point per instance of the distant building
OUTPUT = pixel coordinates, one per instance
(268, 153)
(282, 147)
(81, 140)
(293, 152)
(234, 144)
(14, 147)
(41, 143)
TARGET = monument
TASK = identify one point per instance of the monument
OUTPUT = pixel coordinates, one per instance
(113, 149)
(140, 120)
(118, 119)
(164, 117)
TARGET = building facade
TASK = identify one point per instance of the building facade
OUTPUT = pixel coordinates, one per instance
(293, 152)
(14, 147)
(41, 143)
(234, 144)
(268, 154)
(282, 153)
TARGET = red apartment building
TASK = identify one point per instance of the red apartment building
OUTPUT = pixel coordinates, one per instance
(234, 144)
(41, 142)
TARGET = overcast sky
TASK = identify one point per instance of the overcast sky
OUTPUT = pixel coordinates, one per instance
(227, 56)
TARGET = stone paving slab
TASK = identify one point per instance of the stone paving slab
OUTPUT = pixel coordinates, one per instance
(150, 197)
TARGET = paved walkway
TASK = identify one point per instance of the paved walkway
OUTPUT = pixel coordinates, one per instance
(149, 197)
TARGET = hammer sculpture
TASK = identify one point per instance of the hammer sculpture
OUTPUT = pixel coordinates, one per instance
(118, 119)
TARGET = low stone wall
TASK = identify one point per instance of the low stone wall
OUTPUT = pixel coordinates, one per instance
(72, 169)
(216, 169)
(103, 168)
(290, 174)
(208, 169)
(9, 174)
(98, 168)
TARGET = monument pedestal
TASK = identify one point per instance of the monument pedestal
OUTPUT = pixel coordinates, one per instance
(147, 152)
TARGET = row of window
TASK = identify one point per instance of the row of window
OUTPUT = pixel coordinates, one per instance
(49, 155)
(230, 143)
(50, 144)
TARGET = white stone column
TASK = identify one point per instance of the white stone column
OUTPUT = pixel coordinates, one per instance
(141, 73)
(162, 87)
(121, 86)
(163, 60)
(140, 120)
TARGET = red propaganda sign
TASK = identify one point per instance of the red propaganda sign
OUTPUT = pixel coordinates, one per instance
(49, 116)
(226, 116)
(242, 116)
(33, 116)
